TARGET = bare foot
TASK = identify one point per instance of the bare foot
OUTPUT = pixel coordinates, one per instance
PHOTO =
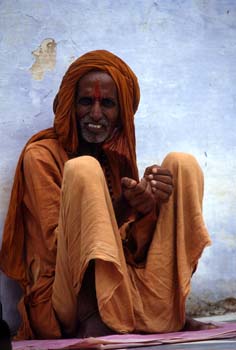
(194, 325)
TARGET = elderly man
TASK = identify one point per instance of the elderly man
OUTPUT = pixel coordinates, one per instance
(96, 249)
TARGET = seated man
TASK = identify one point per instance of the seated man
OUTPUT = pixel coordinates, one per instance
(96, 249)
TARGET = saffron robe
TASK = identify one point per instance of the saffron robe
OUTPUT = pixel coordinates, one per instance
(69, 220)
(29, 245)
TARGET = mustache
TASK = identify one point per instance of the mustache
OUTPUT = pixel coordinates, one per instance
(87, 120)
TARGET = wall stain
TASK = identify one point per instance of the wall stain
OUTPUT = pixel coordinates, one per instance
(45, 58)
(199, 308)
(205, 153)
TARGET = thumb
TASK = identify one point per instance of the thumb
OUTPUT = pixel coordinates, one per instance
(128, 182)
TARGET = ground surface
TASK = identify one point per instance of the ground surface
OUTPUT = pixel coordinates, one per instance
(223, 344)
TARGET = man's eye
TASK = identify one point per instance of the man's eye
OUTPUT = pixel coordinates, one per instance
(107, 102)
(85, 101)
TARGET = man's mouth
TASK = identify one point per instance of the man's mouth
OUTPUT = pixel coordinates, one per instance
(94, 126)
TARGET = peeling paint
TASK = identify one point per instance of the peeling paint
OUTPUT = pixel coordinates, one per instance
(45, 58)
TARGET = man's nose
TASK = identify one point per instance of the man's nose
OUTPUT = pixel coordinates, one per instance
(96, 111)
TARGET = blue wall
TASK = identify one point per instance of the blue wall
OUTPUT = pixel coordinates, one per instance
(184, 53)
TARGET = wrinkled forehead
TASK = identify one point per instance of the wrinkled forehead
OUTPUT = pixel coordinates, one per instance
(95, 81)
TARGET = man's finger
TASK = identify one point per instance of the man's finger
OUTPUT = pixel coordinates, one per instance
(161, 197)
(166, 179)
(141, 187)
(165, 187)
(156, 172)
(151, 169)
(161, 171)
(128, 182)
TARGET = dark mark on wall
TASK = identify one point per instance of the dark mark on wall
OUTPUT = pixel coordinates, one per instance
(205, 154)
(47, 94)
(197, 307)
(32, 17)
(37, 115)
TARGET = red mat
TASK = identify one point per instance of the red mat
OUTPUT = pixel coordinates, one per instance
(224, 331)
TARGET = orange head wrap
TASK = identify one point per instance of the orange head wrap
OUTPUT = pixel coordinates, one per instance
(121, 146)
(128, 94)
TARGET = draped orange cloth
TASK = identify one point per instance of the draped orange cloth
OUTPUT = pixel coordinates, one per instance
(140, 287)
(122, 147)
(146, 293)
(65, 131)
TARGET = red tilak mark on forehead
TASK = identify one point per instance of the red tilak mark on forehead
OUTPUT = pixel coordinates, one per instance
(97, 92)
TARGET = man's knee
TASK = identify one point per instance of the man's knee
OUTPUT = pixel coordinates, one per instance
(84, 167)
(178, 160)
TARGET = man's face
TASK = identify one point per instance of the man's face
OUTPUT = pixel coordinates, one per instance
(97, 106)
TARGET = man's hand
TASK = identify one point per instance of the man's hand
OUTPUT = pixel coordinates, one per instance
(139, 195)
(160, 180)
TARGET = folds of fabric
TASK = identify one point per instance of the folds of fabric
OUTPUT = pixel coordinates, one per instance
(148, 299)
(88, 231)
(128, 95)
(43, 168)
(161, 288)
(146, 295)
(12, 260)
(12, 251)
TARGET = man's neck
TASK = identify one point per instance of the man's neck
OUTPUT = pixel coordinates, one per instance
(90, 149)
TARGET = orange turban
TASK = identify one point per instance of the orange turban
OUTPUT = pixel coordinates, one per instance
(122, 144)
